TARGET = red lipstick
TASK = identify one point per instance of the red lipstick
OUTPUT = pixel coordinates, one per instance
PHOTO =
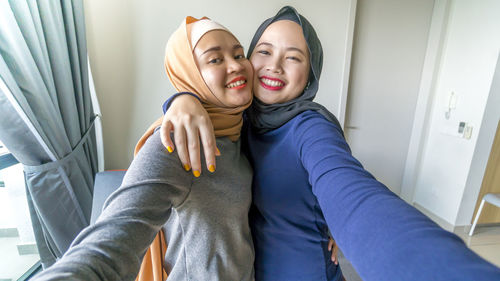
(239, 78)
(280, 85)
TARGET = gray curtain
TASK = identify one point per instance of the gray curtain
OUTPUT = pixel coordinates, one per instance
(46, 117)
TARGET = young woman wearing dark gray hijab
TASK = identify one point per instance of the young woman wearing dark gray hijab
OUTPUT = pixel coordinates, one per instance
(306, 181)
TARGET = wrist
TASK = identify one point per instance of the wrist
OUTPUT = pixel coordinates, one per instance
(168, 102)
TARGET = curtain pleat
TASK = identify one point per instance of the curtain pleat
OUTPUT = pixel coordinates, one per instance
(47, 117)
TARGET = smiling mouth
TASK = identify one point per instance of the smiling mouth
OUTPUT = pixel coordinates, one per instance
(271, 84)
(237, 83)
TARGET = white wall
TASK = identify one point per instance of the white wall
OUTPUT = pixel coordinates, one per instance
(390, 41)
(467, 66)
(126, 41)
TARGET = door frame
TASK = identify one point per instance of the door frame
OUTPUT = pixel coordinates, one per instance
(435, 42)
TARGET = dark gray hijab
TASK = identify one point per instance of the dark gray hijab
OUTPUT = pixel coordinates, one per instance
(267, 117)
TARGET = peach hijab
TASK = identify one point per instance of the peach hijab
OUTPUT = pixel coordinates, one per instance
(185, 76)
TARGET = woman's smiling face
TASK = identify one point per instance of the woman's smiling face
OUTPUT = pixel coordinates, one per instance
(224, 68)
(281, 63)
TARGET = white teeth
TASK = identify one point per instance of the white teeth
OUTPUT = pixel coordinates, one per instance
(236, 84)
(272, 83)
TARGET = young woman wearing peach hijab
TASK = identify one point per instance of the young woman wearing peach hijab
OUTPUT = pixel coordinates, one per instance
(205, 222)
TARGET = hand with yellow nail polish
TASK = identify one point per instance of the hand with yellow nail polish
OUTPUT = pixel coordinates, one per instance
(193, 129)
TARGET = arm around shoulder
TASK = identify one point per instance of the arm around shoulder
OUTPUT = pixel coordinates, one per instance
(191, 125)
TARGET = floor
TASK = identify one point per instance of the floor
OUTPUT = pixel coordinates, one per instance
(485, 242)
(12, 264)
(18, 251)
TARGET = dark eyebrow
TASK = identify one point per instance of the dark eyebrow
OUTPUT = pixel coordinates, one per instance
(218, 48)
(288, 49)
(296, 49)
(264, 43)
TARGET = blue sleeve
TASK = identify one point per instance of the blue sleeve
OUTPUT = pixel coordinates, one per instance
(168, 102)
(384, 237)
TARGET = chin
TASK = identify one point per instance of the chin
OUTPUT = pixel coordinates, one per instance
(266, 100)
(240, 102)
(268, 97)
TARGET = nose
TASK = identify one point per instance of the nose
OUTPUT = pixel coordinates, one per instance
(274, 65)
(234, 66)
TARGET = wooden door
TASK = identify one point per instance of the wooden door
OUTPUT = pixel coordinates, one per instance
(491, 183)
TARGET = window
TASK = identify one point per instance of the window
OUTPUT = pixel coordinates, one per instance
(20, 257)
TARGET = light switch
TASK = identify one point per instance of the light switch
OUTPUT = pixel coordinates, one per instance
(468, 132)
(461, 127)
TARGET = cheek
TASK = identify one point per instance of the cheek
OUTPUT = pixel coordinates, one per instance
(249, 71)
(212, 79)
(301, 76)
(256, 64)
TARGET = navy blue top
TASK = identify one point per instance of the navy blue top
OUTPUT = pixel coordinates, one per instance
(306, 180)
(288, 227)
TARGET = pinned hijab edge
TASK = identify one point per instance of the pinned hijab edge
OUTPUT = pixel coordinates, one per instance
(200, 27)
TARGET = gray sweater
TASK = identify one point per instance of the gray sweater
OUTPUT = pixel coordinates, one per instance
(205, 221)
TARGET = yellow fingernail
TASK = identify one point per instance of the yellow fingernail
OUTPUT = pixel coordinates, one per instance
(211, 168)
(218, 151)
(187, 167)
(196, 173)
(169, 149)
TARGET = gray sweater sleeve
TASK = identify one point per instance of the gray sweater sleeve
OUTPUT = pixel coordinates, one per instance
(113, 248)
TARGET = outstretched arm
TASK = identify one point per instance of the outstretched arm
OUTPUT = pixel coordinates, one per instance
(384, 237)
(190, 123)
(113, 248)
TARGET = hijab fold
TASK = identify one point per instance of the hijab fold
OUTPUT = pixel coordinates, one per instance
(267, 117)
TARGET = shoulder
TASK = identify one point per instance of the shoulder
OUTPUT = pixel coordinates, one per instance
(313, 133)
(154, 164)
(313, 124)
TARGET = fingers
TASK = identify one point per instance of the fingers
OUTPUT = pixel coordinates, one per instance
(209, 145)
(335, 259)
(333, 246)
(189, 120)
(193, 145)
(166, 140)
(330, 244)
(182, 151)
